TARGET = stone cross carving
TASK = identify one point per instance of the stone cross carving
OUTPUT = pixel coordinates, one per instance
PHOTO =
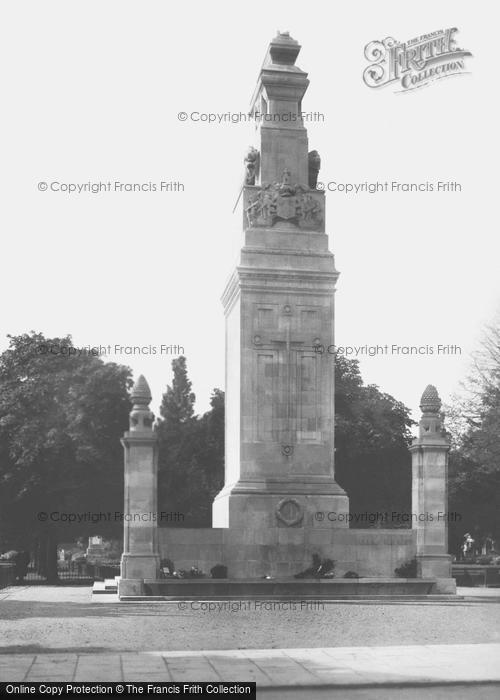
(289, 346)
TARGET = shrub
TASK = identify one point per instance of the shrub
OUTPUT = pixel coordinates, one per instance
(351, 574)
(485, 560)
(408, 569)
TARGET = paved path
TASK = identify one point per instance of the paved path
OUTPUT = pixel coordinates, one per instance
(54, 619)
(479, 592)
(271, 668)
(59, 634)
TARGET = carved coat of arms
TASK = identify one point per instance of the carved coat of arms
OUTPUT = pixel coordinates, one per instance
(282, 201)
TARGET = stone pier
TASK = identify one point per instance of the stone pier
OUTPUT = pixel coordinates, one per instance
(430, 494)
(140, 559)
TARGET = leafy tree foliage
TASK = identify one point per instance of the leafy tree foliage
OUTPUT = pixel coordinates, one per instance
(177, 406)
(191, 451)
(475, 456)
(372, 436)
(61, 419)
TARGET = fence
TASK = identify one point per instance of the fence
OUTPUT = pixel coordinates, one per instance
(73, 573)
(7, 574)
(476, 575)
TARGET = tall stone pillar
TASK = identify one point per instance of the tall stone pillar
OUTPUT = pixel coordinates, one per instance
(430, 494)
(278, 101)
(140, 559)
(279, 307)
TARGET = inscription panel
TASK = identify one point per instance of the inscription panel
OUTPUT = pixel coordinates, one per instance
(308, 425)
(287, 377)
(266, 371)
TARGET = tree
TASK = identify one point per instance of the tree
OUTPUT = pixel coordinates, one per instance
(475, 455)
(61, 419)
(191, 451)
(372, 436)
(211, 455)
(177, 406)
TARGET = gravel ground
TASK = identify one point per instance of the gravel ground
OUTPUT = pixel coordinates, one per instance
(43, 619)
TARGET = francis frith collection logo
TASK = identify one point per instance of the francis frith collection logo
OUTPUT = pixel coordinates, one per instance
(414, 63)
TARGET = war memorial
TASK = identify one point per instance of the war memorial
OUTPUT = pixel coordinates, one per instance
(280, 504)
(324, 569)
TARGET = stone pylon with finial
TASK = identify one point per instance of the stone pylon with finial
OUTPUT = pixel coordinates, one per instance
(430, 494)
(140, 559)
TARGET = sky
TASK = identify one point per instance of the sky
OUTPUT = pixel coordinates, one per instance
(92, 94)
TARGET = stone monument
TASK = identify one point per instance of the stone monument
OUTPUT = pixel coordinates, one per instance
(279, 305)
(95, 550)
(273, 513)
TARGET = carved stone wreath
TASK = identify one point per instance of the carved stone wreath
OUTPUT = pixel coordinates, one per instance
(289, 511)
